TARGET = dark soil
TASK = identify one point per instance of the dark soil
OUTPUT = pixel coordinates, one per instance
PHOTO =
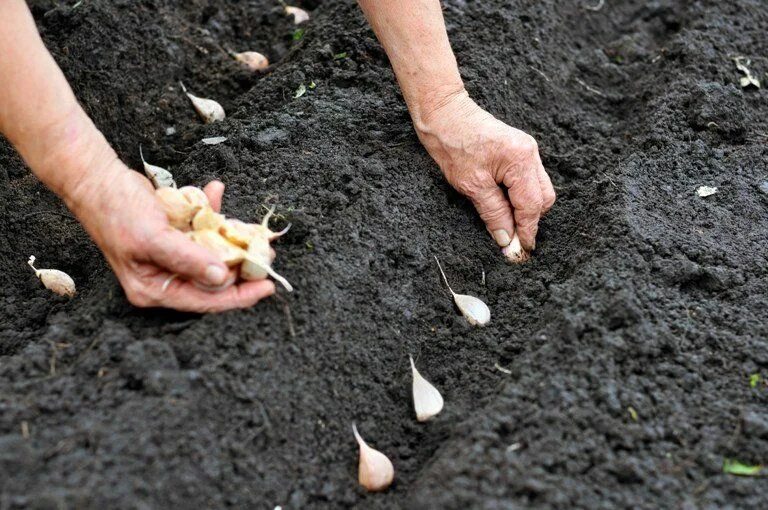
(642, 299)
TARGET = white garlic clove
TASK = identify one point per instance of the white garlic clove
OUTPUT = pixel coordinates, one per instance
(254, 266)
(160, 177)
(427, 401)
(54, 280)
(299, 14)
(177, 208)
(473, 309)
(207, 219)
(208, 109)
(195, 196)
(514, 252)
(375, 470)
(253, 60)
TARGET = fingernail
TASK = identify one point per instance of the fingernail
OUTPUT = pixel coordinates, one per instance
(501, 237)
(215, 275)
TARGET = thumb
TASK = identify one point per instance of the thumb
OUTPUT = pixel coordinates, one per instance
(176, 253)
(495, 210)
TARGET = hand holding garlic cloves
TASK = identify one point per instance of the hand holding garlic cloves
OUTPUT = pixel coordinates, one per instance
(145, 254)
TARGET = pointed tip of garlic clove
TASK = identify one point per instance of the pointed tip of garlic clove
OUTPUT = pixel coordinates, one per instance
(514, 252)
(375, 470)
(427, 400)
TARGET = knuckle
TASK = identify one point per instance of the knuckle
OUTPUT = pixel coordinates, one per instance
(138, 296)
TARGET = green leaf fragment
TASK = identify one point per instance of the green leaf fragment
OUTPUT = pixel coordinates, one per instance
(632, 413)
(753, 380)
(734, 467)
(312, 85)
(298, 34)
(300, 91)
(340, 56)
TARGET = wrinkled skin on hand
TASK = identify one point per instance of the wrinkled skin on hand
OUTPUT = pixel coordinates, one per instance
(494, 165)
(119, 210)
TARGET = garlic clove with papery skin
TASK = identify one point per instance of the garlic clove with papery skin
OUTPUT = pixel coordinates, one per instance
(160, 177)
(299, 14)
(375, 470)
(473, 309)
(253, 60)
(54, 280)
(195, 196)
(208, 109)
(177, 208)
(514, 252)
(229, 254)
(427, 401)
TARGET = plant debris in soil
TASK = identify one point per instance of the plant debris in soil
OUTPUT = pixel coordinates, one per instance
(640, 294)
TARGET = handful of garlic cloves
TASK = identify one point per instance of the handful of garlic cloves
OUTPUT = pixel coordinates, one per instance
(54, 280)
(246, 245)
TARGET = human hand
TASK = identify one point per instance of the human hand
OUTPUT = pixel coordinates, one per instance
(118, 208)
(494, 165)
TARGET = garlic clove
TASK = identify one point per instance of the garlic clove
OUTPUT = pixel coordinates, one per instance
(208, 109)
(237, 232)
(427, 401)
(299, 14)
(375, 470)
(514, 252)
(207, 219)
(177, 208)
(54, 280)
(253, 60)
(258, 258)
(253, 266)
(473, 309)
(195, 196)
(160, 177)
(230, 254)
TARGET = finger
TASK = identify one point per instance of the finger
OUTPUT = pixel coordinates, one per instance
(547, 190)
(214, 190)
(525, 195)
(185, 297)
(176, 253)
(495, 212)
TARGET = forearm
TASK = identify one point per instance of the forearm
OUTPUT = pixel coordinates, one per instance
(38, 111)
(413, 34)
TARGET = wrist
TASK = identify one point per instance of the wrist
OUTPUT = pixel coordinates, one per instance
(73, 158)
(427, 108)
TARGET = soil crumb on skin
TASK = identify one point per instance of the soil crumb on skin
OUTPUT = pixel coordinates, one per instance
(633, 335)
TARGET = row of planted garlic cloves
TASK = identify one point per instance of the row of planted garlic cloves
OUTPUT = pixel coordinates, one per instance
(210, 110)
(375, 470)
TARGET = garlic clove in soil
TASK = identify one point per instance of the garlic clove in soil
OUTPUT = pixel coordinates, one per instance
(375, 471)
(208, 109)
(427, 401)
(54, 280)
(473, 309)
(176, 206)
(299, 14)
(160, 177)
(514, 252)
(253, 60)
